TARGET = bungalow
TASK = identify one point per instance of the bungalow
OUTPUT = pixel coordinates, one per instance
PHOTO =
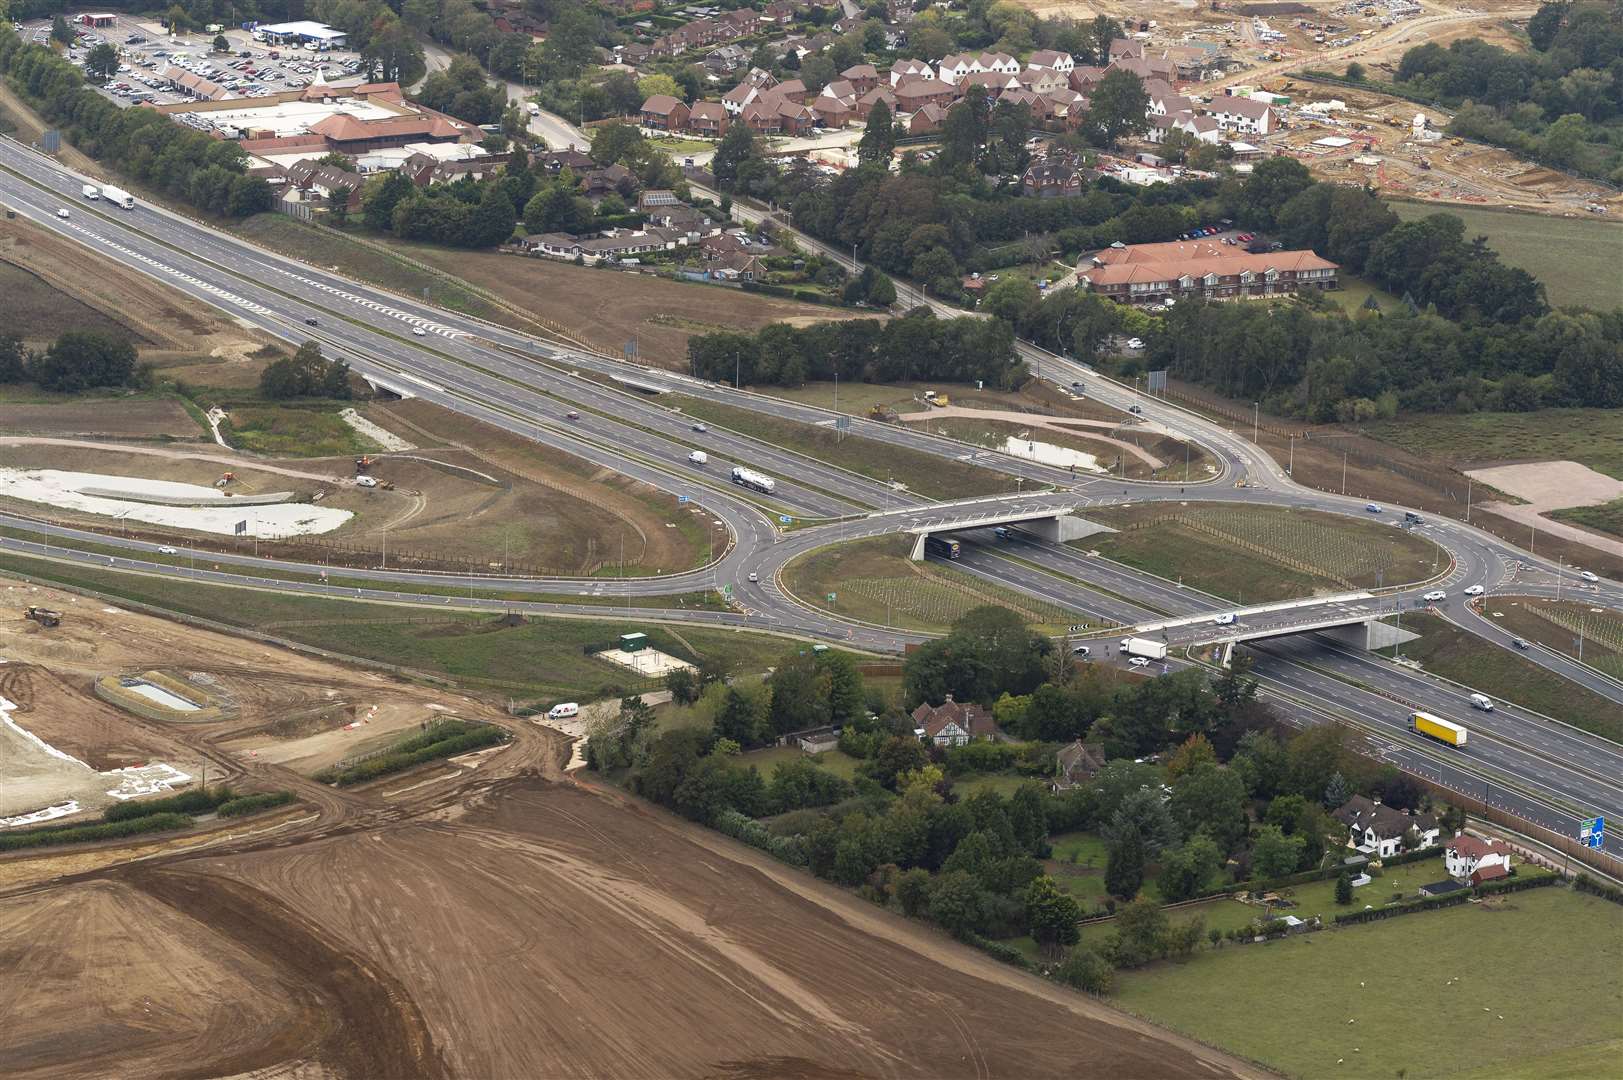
(1379, 830)
(708, 118)
(664, 113)
(1051, 60)
(952, 723)
(556, 161)
(1246, 115)
(1466, 856)
(615, 177)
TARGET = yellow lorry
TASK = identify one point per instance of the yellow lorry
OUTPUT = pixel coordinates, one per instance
(1436, 727)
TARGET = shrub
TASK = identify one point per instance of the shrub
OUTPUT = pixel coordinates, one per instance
(83, 834)
(1585, 883)
(252, 804)
(1085, 969)
(442, 741)
(199, 801)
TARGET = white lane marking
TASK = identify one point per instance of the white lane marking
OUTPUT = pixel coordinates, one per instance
(406, 316)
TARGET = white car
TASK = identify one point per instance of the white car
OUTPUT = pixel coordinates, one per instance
(1224, 619)
(1587, 576)
(1435, 595)
(1473, 590)
(1139, 661)
(1372, 508)
(63, 213)
(754, 577)
(166, 550)
(418, 331)
(1135, 343)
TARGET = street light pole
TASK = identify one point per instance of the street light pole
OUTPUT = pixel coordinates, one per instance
(1256, 407)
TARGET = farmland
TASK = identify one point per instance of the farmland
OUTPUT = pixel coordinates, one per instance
(1288, 1003)
(874, 581)
(1575, 258)
(138, 417)
(1253, 554)
(1591, 437)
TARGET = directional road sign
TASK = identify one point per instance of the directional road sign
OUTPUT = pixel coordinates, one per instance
(680, 499)
(784, 519)
(1592, 832)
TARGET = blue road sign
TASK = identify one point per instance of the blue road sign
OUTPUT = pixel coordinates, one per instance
(1592, 832)
(681, 499)
(784, 519)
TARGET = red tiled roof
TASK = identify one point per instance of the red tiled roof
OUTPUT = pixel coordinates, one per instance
(1469, 847)
(1229, 266)
(1175, 251)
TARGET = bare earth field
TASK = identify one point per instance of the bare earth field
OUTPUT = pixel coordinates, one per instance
(479, 919)
(138, 418)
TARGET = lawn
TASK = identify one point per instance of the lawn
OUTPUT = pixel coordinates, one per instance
(1593, 437)
(1254, 554)
(874, 581)
(1575, 258)
(1403, 996)
(1354, 291)
(1446, 650)
(926, 474)
(286, 431)
(857, 398)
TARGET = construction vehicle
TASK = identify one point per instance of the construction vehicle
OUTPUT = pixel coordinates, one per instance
(364, 462)
(940, 401)
(225, 478)
(44, 616)
(1425, 163)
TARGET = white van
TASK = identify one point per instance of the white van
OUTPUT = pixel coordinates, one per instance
(1482, 701)
(564, 711)
(366, 481)
(698, 457)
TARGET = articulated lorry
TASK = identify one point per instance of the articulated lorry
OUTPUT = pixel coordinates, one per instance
(1435, 727)
(118, 196)
(753, 479)
(1137, 646)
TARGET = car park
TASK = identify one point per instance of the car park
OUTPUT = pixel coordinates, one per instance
(1434, 596)
(1473, 590)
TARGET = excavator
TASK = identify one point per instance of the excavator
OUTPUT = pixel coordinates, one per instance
(364, 462)
(44, 616)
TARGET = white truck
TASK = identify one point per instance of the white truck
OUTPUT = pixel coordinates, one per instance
(698, 457)
(1150, 650)
(753, 479)
(118, 196)
(91, 192)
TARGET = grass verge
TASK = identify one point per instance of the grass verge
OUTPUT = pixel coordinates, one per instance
(1606, 518)
(1255, 554)
(291, 431)
(924, 474)
(1444, 649)
(874, 581)
(1564, 626)
(445, 739)
(1593, 437)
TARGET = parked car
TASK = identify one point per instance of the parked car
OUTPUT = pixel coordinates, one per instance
(1135, 343)
(1434, 596)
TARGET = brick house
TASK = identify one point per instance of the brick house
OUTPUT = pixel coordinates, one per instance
(664, 113)
(1075, 765)
(867, 101)
(914, 94)
(708, 118)
(952, 723)
(1236, 275)
(1378, 830)
(1465, 857)
(863, 77)
(1051, 179)
(926, 119)
(793, 90)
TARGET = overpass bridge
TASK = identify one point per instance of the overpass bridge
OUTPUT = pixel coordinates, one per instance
(1055, 523)
(1354, 618)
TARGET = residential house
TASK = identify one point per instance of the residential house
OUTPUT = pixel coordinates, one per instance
(556, 161)
(654, 198)
(1038, 105)
(834, 112)
(1466, 856)
(1378, 830)
(1051, 60)
(664, 113)
(1203, 128)
(863, 77)
(993, 82)
(1075, 765)
(632, 54)
(779, 12)
(616, 178)
(708, 118)
(324, 180)
(1051, 179)
(914, 94)
(726, 60)
(926, 120)
(954, 67)
(867, 101)
(1164, 99)
(1245, 115)
(739, 96)
(772, 114)
(792, 90)
(1084, 77)
(1149, 67)
(909, 69)
(739, 266)
(1125, 49)
(953, 723)
(1044, 81)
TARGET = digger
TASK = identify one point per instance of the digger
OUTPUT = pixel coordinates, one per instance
(44, 616)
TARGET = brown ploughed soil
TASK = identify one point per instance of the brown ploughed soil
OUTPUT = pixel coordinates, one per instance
(138, 418)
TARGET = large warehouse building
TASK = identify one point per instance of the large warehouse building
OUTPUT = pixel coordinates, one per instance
(299, 33)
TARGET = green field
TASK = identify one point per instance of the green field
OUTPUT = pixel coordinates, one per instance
(1446, 650)
(537, 657)
(1575, 258)
(925, 474)
(1564, 626)
(1522, 968)
(1253, 554)
(289, 431)
(874, 581)
(1354, 291)
(1591, 436)
(1182, 461)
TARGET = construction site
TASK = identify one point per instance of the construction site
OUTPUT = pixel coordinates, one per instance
(353, 932)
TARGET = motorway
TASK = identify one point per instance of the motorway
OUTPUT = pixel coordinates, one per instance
(1541, 769)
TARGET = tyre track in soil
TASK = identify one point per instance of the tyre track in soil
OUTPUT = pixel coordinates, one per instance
(363, 1022)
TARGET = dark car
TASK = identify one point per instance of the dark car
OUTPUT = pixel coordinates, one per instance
(572, 415)
(309, 322)
(1521, 643)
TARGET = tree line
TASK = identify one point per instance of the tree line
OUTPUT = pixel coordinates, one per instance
(78, 360)
(915, 346)
(144, 145)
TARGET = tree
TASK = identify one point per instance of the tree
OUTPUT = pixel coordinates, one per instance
(82, 359)
(878, 143)
(1274, 855)
(1188, 870)
(1211, 799)
(221, 45)
(1190, 755)
(1335, 792)
(1272, 184)
(305, 374)
(735, 148)
(1141, 933)
(957, 903)
(744, 714)
(1146, 811)
(1124, 863)
(913, 891)
(381, 196)
(799, 694)
(60, 30)
(847, 697)
(1355, 72)
(101, 63)
(1085, 969)
(13, 360)
(897, 755)
(1344, 888)
(1117, 107)
(651, 85)
(683, 684)
(1051, 914)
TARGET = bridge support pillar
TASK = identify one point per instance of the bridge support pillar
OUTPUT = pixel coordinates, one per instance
(1370, 635)
(1060, 528)
(918, 547)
